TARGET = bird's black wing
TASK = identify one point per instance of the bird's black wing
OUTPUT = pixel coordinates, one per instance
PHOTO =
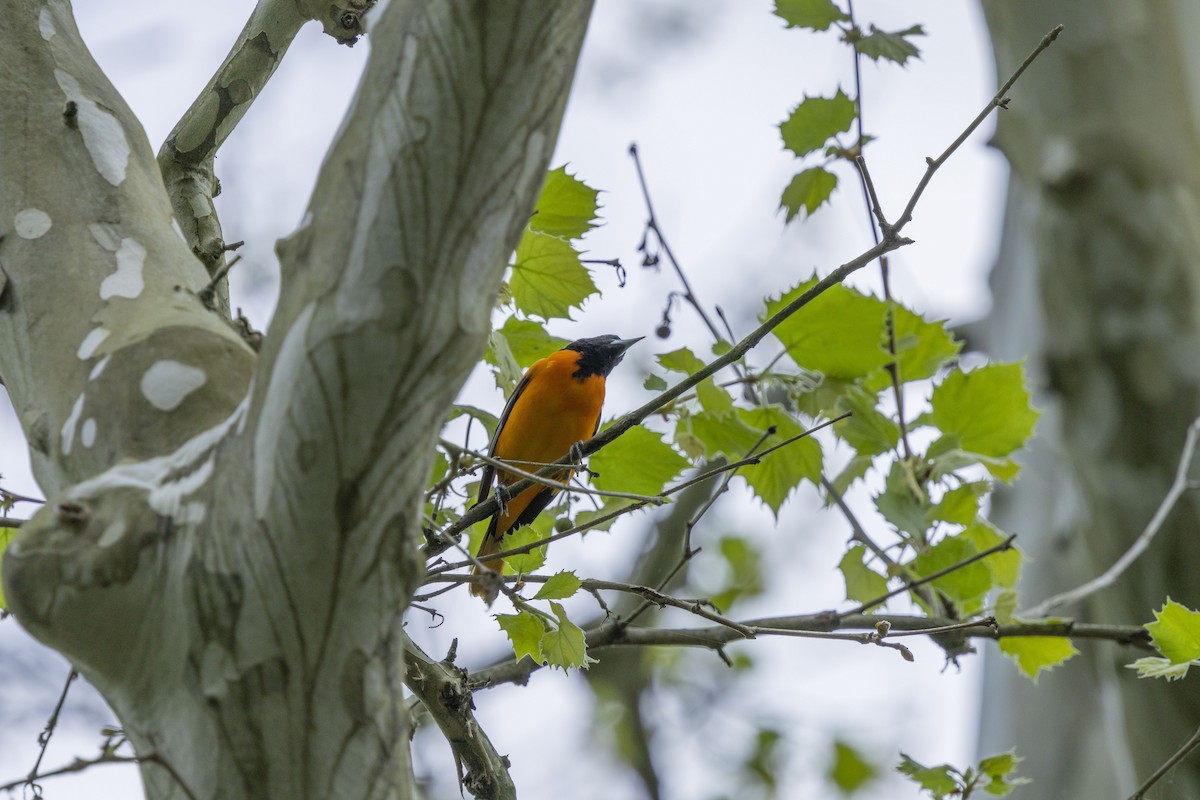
(489, 472)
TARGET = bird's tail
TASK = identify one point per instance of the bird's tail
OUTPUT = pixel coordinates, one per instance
(489, 545)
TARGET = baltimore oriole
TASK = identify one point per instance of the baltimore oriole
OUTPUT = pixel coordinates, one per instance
(554, 407)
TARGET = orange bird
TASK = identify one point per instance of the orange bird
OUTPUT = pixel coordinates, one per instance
(554, 407)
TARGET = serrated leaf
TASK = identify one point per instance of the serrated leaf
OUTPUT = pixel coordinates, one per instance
(525, 631)
(566, 646)
(965, 585)
(681, 360)
(774, 478)
(901, 502)
(722, 433)
(1155, 667)
(863, 584)
(1175, 632)
(713, 397)
(1033, 654)
(922, 348)
(892, 46)
(528, 341)
(654, 383)
(560, 586)
(855, 469)
(958, 506)
(807, 191)
(839, 333)
(850, 771)
(866, 430)
(566, 207)
(532, 561)
(547, 278)
(939, 781)
(815, 121)
(999, 770)
(1004, 565)
(639, 462)
(815, 15)
(986, 409)
(500, 355)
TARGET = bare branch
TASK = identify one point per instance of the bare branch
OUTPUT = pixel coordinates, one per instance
(1110, 576)
(1180, 754)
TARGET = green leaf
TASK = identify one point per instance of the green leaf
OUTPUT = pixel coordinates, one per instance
(528, 341)
(566, 207)
(815, 121)
(547, 278)
(1004, 565)
(900, 503)
(681, 360)
(890, 46)
(654, 383)
(816, 15)
(532, 561)
(1033, 654)
(850, 771)
(745, 571)
(958, 506)
(525, 631)
(922, 348)
(965, 585)
(855, 469)
(1155, 667)
(639, 462)
(866, 430)
(722, 433)
(987, 409)
(774, 478)
(839, 333)
(500, 355)
(863, 584)
(999, 770)
(487, 419)
(561, 585)
(1175, 632)
(6, 535)
(565, 647)
(939, 781)
(808, 191)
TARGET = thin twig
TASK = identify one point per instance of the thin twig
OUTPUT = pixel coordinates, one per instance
(1110, 576)
(11, 522)
(1180, 754)
(999, 101)
(78, 765)
(51, 724)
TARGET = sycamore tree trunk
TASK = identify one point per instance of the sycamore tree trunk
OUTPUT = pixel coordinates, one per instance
(1098, 281)
(230, 538)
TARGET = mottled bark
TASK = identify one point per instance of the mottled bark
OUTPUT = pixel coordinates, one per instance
(231, 537)
(1097, 282)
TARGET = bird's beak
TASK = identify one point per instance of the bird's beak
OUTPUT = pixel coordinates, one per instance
(624, 344)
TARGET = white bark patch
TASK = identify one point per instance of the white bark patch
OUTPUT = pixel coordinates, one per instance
(31, 223)
(87, 348)
(112, 534)
(87, 434)
(289, 364)
(102, 132)
(168, 383)
(45, 24)
(68, 428)
(100, 365)
(127, 280)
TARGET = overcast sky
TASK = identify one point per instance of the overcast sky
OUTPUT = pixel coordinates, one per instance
(700, 85)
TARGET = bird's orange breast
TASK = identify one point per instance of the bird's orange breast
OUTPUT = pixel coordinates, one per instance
(554, 411)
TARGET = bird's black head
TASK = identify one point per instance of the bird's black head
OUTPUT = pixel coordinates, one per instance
(599, 354)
